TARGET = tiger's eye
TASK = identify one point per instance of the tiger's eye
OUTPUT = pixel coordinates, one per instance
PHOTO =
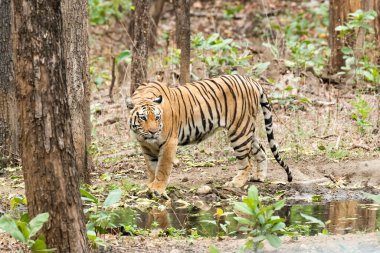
(158, 117)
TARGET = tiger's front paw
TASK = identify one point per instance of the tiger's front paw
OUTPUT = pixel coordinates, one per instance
(157, 188)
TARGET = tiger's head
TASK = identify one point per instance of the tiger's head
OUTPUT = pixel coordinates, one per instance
(145, 118)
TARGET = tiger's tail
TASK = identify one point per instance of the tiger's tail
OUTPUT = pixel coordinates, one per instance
(269, 129)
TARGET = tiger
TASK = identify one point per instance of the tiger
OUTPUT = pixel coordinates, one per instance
(163, 117)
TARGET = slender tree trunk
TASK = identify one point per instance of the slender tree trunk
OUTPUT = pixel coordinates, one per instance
(140, 46)
(376, 7)
(47, 148)
(155, 13)
(339, 10)
(75, 27)
(182, 10)
(8, 110)
(365, 5)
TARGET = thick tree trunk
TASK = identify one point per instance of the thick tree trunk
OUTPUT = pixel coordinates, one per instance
(47, 148)
(140, 45)
(75, 27)
(8, 110)
(339, 10)
(182, 10)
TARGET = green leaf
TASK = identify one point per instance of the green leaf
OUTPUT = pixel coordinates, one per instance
(15, 201)
(39, 244)
(242, 220)
(23, 227)
(279, 204)
(249, 244)
(259, 238)
(253, 193)
(375, 198)
(260, 67)
(88, 195)
(126, 54)
(214, 249)
(37, 222)
(112, 198)
(278, 226)
(274, 240)
(243, 207)
(312, 219)
(9, 225)
(347, 50)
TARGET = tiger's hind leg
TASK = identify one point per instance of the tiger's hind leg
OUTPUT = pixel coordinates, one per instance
(243, 175)
(242, 144)
(261, 158)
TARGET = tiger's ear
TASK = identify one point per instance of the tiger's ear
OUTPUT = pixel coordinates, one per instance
(129, 103)
(158, 100)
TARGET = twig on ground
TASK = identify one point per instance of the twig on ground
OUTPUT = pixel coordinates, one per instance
(113, 78)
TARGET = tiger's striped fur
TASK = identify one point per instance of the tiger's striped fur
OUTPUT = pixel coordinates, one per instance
(164, 117)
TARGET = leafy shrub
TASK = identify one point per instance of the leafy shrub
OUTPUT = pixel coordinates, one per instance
(102, 11)
(259, 220)
(23, 230)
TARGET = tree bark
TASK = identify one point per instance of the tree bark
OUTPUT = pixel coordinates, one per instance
(140, 45)
(8, 109)
(155, 14)
(376, 7)
(182, 10)
(47, 148)
(75, 28)
(339, 10)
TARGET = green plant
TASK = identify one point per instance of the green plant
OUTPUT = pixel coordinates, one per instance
(305, 36)
(220, 223)
(101, 11)
(299, 229)
(125, 55)
(220, 55)
(230, 12)
(320, 223)
(360, 113)
(100, 217)
(259, 220)
(18, 200)
(359, 66)
(375, 198)
(23, 230)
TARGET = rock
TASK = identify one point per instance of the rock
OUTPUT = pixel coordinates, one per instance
(185, 179)
(203, 190)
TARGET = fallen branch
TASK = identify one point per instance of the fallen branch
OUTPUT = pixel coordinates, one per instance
(113, 78)
(363, 146)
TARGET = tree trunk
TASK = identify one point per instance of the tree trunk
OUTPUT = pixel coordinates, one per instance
(365, 5)
(155, 13)
(339, 10)
(75, 24)
(182, 10)
(8, 110)
(47, 148)
(140, 46)
(376, 7)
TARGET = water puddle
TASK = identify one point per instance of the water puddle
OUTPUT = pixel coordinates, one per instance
(341, 217)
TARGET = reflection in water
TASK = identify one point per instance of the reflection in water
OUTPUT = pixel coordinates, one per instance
(343, 217)
(350, 216)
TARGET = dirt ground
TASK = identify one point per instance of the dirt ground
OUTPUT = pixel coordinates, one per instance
(350, 243)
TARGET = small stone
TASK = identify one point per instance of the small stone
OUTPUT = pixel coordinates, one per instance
(203, 190)
(185, 179)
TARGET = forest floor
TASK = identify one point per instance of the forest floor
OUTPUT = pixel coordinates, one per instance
(331, 155)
